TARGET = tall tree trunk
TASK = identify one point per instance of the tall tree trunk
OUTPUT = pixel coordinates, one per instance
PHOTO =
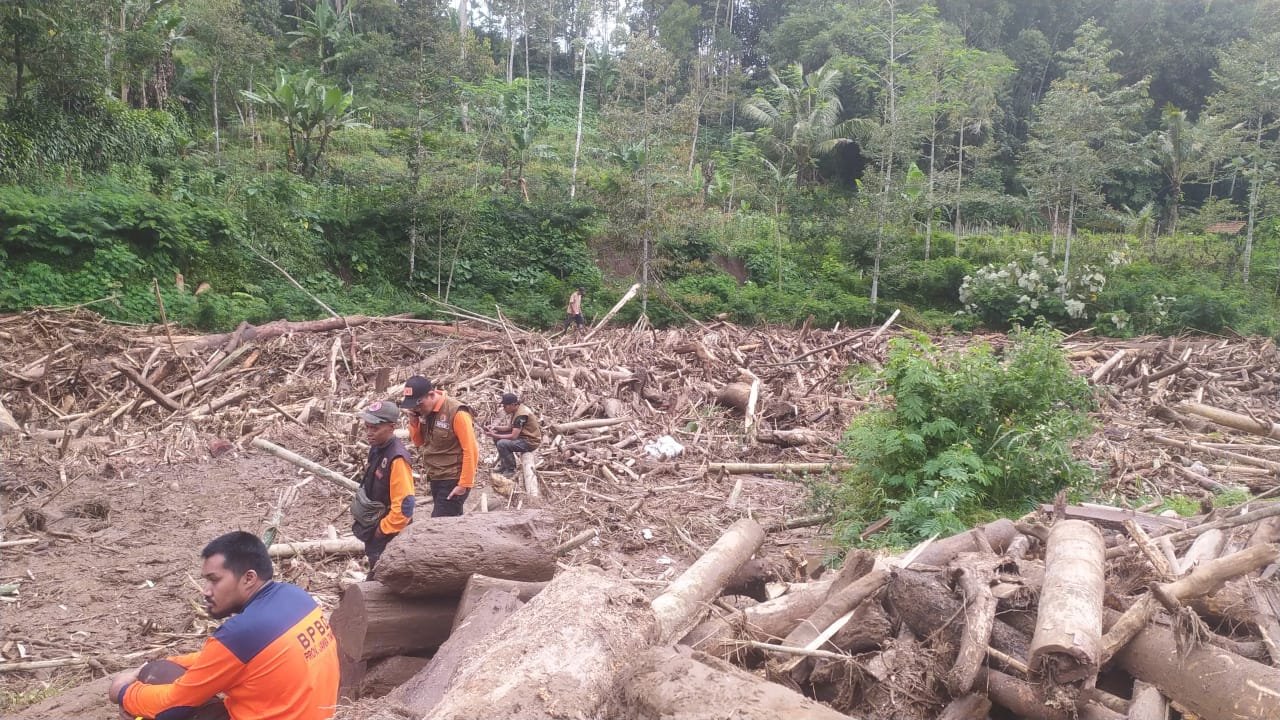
(551, 42)
(528, 73)
(928, 196)
(957, 223)
(511, 51)
(217, 134)
(1066, 243)
(1254, 183)
(577, 143)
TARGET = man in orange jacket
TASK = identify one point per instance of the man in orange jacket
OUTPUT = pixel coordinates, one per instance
(443, 431)
(276, 659)
(383, 506)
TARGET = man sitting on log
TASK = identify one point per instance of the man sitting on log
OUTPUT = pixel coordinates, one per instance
(383, 505)
(443, 430)
(520, 435)
(276, 659)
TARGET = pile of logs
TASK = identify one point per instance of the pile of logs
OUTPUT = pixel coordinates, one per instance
(1051, 618)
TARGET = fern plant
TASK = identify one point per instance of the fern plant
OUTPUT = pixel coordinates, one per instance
(967, 434)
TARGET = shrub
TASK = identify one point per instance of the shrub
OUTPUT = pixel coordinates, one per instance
(969, 433)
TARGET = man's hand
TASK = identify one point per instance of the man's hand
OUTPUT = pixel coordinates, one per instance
(457, 492)
(119, 683)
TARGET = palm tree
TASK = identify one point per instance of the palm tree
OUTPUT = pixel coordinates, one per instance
(801, 122)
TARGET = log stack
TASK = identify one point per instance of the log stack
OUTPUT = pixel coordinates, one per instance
(1061, 618)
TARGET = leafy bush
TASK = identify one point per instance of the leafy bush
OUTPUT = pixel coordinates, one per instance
(969, 433)
(1021, 291)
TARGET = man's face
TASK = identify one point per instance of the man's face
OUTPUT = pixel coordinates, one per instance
(510, 409)
(379, 434)
(225, 593)
(428, 401)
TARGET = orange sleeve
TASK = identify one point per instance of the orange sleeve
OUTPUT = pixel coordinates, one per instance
(213, 670)
(415, 431)
(401, 487)
(185, 661)
(466, 435)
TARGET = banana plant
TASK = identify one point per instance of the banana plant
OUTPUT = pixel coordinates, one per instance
(311, 112)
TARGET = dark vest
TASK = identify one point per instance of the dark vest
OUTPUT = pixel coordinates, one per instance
(377, 473)
(530, 432)
(440, 452)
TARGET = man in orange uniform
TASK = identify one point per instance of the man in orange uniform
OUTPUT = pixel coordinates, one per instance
(443, 431)
(383, 505)
(276, 659)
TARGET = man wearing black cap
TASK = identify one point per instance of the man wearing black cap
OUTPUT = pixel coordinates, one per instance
(383, 505)
(520, 436)
(442, 430)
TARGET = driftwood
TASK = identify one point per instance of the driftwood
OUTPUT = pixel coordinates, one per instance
(373, 622)
(679, 607)
(679, 684)
(772, 620)
(436, 558)
(1233, 420)
(336, 546)
(1068, 638)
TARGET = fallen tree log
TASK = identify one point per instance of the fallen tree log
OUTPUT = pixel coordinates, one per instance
(995, 535)
(1207, 680)
(421, 693)
(793, 438)
(332, 546)
(678, 608)
(772, 620)
(923, 602)
(373, 622)
(667, 683)
(1029, 701)
(436, 558)
(276, 328)
(979, 617)
(1068, 640)
(1232, 419)
(312, 467)
(558, 657)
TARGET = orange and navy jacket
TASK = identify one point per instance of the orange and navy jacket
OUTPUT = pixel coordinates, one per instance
(276, 660)
(388, 479)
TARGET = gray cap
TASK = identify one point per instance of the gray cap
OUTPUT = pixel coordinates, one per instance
(380, 412)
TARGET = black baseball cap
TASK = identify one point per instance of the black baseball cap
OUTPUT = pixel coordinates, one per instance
(415, 388)
(510, 399)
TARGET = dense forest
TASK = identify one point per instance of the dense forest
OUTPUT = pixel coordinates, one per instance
(1096, 163)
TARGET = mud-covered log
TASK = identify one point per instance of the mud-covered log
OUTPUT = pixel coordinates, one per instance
(384, 676)
(679, 608)
(435, 557)
(979, 617)
(558, 657)
(793, 438)
(923, 602)
(751, 580)
(1207, 680)
(423, 690)
(373, 622)
(680, 684)
(835, 606)
(1147, 703)
(968, 707)
(1067, 645)
(772, 620)
(734, 395)
(479, 585)
(997, 535)
(1030, 702)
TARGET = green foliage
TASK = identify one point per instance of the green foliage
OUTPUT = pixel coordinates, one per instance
(969, 433)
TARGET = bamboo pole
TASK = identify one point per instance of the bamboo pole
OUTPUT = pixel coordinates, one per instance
(316, 469)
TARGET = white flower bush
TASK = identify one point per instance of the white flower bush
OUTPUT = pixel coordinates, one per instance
(1023, 289)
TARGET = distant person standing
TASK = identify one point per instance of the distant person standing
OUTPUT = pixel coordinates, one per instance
(383, 505)
(573, 311)
(443, 431)
(521, 434)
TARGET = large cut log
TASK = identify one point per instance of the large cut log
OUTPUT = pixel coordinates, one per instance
(1147, 703)
(422, 692)
(558, 657)
(996, 534)
(680, 607)
(480, 585)
(1067, 645)
(384, 676)
(772, 620)
(373, 622)
(1207, 680)
(435, 557)
(681, 684)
